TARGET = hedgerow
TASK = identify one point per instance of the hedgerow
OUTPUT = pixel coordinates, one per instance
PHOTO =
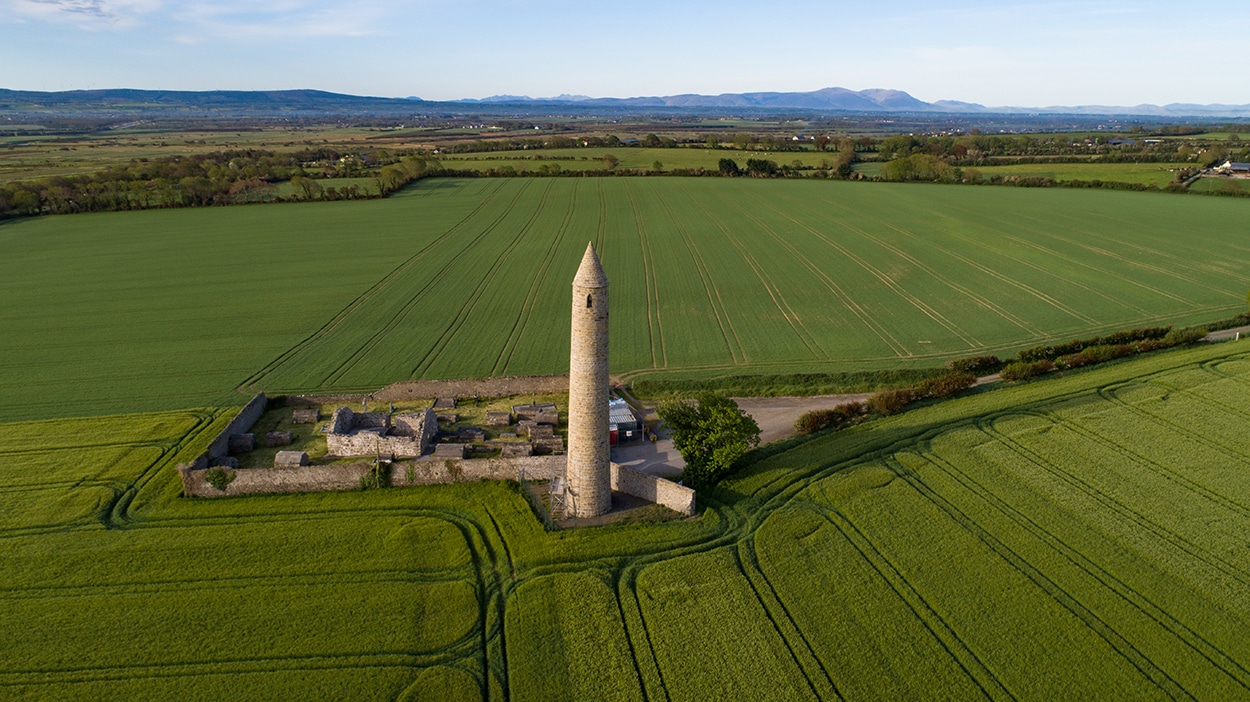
(837, 417)
(1022, 370)
(977, 365)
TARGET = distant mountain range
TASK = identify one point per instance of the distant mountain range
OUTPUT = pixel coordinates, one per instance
(862, 101)
(302, 102)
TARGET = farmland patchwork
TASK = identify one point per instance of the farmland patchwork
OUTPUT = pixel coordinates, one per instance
(1071, 538)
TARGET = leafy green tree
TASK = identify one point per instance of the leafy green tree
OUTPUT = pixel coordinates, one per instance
(728, 167)
(711, 434)
(610, 162)
(761, 167)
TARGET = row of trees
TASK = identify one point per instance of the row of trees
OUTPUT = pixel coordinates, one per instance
(742, 141)
(220, 178)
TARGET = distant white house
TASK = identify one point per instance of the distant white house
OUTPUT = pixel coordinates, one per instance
(1234, 167)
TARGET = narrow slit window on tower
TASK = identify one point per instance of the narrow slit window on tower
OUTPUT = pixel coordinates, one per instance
(589, 302)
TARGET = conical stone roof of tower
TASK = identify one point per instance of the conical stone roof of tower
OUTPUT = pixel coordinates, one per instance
(590, 274)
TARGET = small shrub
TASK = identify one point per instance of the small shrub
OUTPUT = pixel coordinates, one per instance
(378, 476)
(837, 417)
(219, 478)
(1104, 352)
(978, 365)
(888, 402)
(1037, 353)
(945, 385)
(1138, 334)
(1184, 337)
(1022, 370)
(1066, 348)
(1075, 360)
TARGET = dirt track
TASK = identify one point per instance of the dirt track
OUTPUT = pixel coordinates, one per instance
(776, 415)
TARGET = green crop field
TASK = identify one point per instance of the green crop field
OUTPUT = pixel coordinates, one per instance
(1157, 174)
(1220, 184)
(160, 310)
(1074, 538)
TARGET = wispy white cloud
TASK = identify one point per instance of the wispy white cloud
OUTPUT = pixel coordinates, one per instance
(85, 13)
(221, 19)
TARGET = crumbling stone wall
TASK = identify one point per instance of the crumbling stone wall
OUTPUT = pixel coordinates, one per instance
(433, 470)
(345, 420)
(242, 421)
(219, 448)
(422, 426)
(427, 471)
(254, 481)
(369, 433)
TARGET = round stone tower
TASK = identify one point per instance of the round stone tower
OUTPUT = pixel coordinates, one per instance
(588, 472)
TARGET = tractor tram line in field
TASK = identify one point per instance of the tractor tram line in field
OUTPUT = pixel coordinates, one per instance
(1103, 577)
(979, 299)
(774, 291)
(377, 289)
(715, 301)
(474, 298)
(1116, 506)
(517, 331)
(1066, 282)
(880, 275)
(1138, 459)
(801, 650)
(1133, 262)
(1102, 271)
(847, 300)
(655, 328)
(1052, 589)
(1199, 263)
(946, 636)
(430, 284)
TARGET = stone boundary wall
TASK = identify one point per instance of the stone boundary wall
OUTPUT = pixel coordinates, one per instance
(258, 481)
(426, 471)
(651, 488)
(219, 447)
(242, 421)
(432, 470)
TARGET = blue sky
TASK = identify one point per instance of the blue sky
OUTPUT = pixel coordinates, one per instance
(1107, 52)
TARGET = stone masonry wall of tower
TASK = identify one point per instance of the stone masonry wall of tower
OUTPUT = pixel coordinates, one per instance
(588, 475)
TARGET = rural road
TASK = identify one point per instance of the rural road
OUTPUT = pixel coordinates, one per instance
(1226, 334)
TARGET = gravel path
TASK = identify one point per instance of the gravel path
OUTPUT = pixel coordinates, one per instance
(776, 415)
